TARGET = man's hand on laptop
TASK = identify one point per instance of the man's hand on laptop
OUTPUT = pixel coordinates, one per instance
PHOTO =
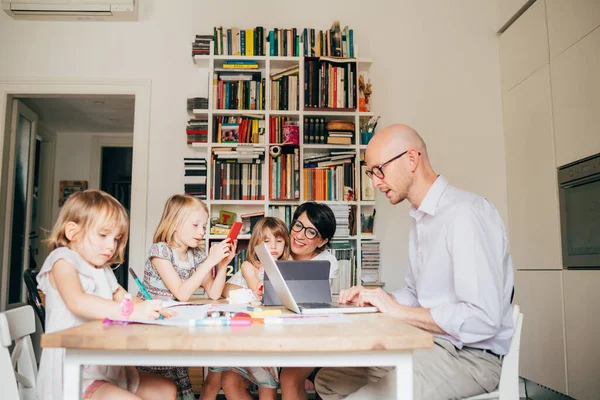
(385, 302)
(348, 296)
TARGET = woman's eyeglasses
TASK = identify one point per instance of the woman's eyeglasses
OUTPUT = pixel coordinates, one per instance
(310, 233)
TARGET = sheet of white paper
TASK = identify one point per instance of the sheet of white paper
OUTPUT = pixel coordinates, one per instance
(185, 313)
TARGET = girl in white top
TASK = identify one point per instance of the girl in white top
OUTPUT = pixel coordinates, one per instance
(274, 233)
(90, 235)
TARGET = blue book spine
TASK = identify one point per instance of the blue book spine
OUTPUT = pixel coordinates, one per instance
(271, 43)
(351, 41)
(227, 95)
(243, 42)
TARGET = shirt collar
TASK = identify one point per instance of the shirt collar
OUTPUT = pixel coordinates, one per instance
(431, 199)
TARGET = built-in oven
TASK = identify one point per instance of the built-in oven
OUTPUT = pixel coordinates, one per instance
(579, 196)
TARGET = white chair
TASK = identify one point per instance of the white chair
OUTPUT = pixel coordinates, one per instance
(18, 372)
(509, 377)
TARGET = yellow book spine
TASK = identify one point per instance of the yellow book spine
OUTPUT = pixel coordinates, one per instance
(249, 42)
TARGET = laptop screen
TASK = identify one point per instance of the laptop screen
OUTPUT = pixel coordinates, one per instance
(308, 282)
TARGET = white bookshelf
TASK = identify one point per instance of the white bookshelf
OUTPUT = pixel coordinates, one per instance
(268, 64)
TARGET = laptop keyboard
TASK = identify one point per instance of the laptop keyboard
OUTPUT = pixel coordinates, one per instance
(317, 305)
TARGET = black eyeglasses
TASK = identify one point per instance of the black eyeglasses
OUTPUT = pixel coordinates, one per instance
(310, 233)
(378, 170)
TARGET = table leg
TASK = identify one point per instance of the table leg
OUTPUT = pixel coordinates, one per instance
(404, 377)
(72, 375)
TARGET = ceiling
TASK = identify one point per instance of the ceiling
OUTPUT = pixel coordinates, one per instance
(79, 114)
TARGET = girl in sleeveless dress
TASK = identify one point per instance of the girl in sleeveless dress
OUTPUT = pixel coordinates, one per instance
(176, 268)
(273, 232)
(90, 235)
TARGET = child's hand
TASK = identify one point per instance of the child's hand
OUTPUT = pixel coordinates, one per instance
(260, 291)
(225, 262)
(219, 252)
(147, 310)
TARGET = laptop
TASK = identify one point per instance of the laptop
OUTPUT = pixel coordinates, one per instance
(279, 285)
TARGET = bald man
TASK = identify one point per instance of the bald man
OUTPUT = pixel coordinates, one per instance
(458, 284)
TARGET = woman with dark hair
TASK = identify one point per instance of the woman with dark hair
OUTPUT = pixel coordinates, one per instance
(312, 229)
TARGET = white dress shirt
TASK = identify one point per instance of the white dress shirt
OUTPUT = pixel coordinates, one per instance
(460, 268)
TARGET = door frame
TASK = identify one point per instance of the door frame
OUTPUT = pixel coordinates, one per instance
(141, 90)
(17, 108)
(47, 184)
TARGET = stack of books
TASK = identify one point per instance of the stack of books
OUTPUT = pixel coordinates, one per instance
(369, 261)
(197, 131)
(342, 213)
(201, 45)
(197, 103)
(195, 177)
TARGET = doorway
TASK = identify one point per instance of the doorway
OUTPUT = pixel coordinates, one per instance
(25, 247)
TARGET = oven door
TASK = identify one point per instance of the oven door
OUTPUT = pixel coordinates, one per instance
(580, 222)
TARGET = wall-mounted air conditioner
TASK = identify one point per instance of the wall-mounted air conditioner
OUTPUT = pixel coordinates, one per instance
(86, 10)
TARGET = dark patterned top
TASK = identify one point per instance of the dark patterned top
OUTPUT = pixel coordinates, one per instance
(152, 280)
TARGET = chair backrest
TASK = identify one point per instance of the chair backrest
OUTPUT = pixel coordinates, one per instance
(18, 371)
(33, 296)
(509, 378)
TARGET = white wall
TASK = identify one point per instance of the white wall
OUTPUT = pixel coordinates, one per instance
(436, 68)
(72, 162)
(73, 152)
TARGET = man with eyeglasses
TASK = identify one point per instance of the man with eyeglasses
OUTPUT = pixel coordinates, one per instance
(458, 284)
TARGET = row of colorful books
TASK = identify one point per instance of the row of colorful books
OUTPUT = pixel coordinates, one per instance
(288, 42)
(284, 174)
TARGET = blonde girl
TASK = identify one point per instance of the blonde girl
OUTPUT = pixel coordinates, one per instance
(273, 232)
(176, 268)
(90, 235)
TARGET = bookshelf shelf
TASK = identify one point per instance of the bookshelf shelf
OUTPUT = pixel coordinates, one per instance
(200, 111)
(198, 145)
(273, 176)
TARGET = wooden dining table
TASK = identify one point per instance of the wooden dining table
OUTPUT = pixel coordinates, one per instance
(360, 340)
